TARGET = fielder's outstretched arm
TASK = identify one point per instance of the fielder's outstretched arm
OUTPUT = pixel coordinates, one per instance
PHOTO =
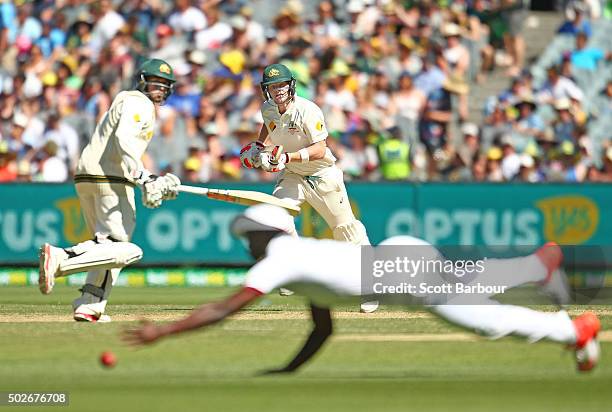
(322, 330)
(204, 315)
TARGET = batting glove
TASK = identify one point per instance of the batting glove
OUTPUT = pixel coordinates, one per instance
(170, 184)
(249, 154)
(152, 192)
(151, 188)
(273, 160)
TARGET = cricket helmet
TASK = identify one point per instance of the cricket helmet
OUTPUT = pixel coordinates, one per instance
(277, 73)
(156, 68)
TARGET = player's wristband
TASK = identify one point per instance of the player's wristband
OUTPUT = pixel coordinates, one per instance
(304, 155)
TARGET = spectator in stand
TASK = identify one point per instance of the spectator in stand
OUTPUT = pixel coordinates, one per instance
(437, 115)
(8, 166)
(169, 47)
(557, 87)
(108, 23)
(512, 95)
(406, 105)
(494, 170)
(592, 8)
(529, 125)
(511, 161)
(66, 140)
(16, 142)
(456, 55)
(470, 146)
(515, 12)
(394, 154)
(587, 58)
(528, 172)
(52, 168)
(579, 23)
(432, 77)
(479, 168)
(187, 19)
(216, 32)
(496, 125)
(564, 125)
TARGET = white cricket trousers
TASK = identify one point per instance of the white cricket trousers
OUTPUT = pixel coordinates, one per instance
(109, 210)
(326, 193)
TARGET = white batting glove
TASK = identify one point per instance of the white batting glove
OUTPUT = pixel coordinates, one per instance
(249, 154)
(170, 184)
(273, 159)
(152, 192)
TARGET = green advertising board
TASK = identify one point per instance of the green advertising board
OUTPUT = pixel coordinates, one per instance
(194, 230)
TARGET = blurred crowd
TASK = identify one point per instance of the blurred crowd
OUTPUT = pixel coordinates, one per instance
(392, 77)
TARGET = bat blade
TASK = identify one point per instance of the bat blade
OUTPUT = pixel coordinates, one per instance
(243, 197)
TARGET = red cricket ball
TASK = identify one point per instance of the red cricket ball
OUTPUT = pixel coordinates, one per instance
(108, 359)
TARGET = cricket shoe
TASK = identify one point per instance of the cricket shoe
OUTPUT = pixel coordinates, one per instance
(587, 346)
(555, 284)
(369, 307)
(85, 314)
(49, 261)
(285, 292)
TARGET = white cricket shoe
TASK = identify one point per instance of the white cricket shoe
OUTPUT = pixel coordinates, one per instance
(555, 284)
(369, 307)
(85, 314)
(49, 261)
(285, 292)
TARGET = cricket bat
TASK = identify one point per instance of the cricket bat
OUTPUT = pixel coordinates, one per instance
(242, 197)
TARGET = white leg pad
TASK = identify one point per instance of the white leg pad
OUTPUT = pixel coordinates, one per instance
(353, 232)
(102, 256)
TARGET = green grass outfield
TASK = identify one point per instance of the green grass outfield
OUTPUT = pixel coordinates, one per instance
(392, 360)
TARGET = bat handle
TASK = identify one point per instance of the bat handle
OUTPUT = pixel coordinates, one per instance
(193, 189)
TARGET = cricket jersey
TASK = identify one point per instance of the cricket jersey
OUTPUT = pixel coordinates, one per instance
(300, 126)
(119, 141)
(326, 271)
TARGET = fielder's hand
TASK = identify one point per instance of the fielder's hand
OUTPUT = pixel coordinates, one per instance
(273, 159)
(146, 334)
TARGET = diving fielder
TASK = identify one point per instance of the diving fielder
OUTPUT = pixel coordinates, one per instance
(287, 261)
(293, 141)
(108, 170)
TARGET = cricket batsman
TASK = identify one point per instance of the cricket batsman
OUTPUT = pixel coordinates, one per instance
(287, 261)
(109, 168)
(292, 141)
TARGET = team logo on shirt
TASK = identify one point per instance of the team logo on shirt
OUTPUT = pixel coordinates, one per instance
(292, 128)
(137, 118)
(319, 126)
(272, 126)
(164, 68)
(294, 122)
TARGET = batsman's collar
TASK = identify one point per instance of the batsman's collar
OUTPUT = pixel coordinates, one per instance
(262, 217)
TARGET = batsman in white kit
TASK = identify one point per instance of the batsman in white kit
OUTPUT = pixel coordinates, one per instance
(292, 141)
(108, 170)
(328, 272)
